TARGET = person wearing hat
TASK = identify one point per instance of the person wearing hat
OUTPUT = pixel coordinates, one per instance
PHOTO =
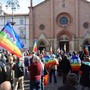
(71, 82)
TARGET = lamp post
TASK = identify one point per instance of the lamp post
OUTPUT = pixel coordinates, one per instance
(13, 4)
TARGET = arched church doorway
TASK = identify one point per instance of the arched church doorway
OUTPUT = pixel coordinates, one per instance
(64, 38)
(41, 46)
(64, 43)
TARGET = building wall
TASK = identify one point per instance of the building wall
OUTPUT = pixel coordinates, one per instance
(17, 26)
(70, 9)
(84, 16)
(48, 13)
(42, 16)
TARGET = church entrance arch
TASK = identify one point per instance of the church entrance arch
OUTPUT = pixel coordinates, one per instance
(64, 43)
(64, 37)
(41, 46)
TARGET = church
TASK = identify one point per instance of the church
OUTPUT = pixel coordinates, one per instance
(60, 24)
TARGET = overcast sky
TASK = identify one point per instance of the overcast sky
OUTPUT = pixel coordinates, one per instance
(24, 4)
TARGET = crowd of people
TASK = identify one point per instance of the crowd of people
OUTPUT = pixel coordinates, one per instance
(73, 67)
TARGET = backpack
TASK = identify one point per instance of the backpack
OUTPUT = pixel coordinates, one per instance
(3, 73)
(19, 70)
(26, 62)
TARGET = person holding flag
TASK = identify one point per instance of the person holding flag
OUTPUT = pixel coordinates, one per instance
(53, 68)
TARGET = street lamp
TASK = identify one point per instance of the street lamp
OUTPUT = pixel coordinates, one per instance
(14, 4)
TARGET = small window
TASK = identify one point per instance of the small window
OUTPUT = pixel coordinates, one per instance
(21, 22)
(41, 27)
(22, 34)
(86, 25)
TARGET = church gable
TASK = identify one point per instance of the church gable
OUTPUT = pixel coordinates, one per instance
(86, 37)
(42, 37)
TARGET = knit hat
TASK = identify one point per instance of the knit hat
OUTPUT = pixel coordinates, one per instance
(72, 79)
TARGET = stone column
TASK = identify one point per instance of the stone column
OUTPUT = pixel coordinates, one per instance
(71, 46)
(55, 44)
(52, 17)
(31, 26)
(77, 24)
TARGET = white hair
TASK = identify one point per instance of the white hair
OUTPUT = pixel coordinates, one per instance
(35, 57)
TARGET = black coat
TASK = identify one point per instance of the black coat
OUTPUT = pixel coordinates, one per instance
(65, 65)
(3, 72)
(85, 76)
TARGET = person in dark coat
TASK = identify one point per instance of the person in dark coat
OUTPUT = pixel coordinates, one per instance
(65, 67)
(85, 76)
(3, 70)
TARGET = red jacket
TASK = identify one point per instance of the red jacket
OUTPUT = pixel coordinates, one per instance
(35, 71)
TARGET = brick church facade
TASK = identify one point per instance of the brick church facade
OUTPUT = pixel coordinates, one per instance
(60, 22)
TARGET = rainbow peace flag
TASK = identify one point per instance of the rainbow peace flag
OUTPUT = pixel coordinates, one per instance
(46, 58)
(86, 50)
(10, 40)
(35, 47)
(51, 51)
(75, 63)
(49, 62)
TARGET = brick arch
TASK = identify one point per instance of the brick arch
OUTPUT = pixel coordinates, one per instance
(65, 32)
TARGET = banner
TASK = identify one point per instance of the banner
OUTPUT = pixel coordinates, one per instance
(10, 40)
(86, 50)
(35, 47)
